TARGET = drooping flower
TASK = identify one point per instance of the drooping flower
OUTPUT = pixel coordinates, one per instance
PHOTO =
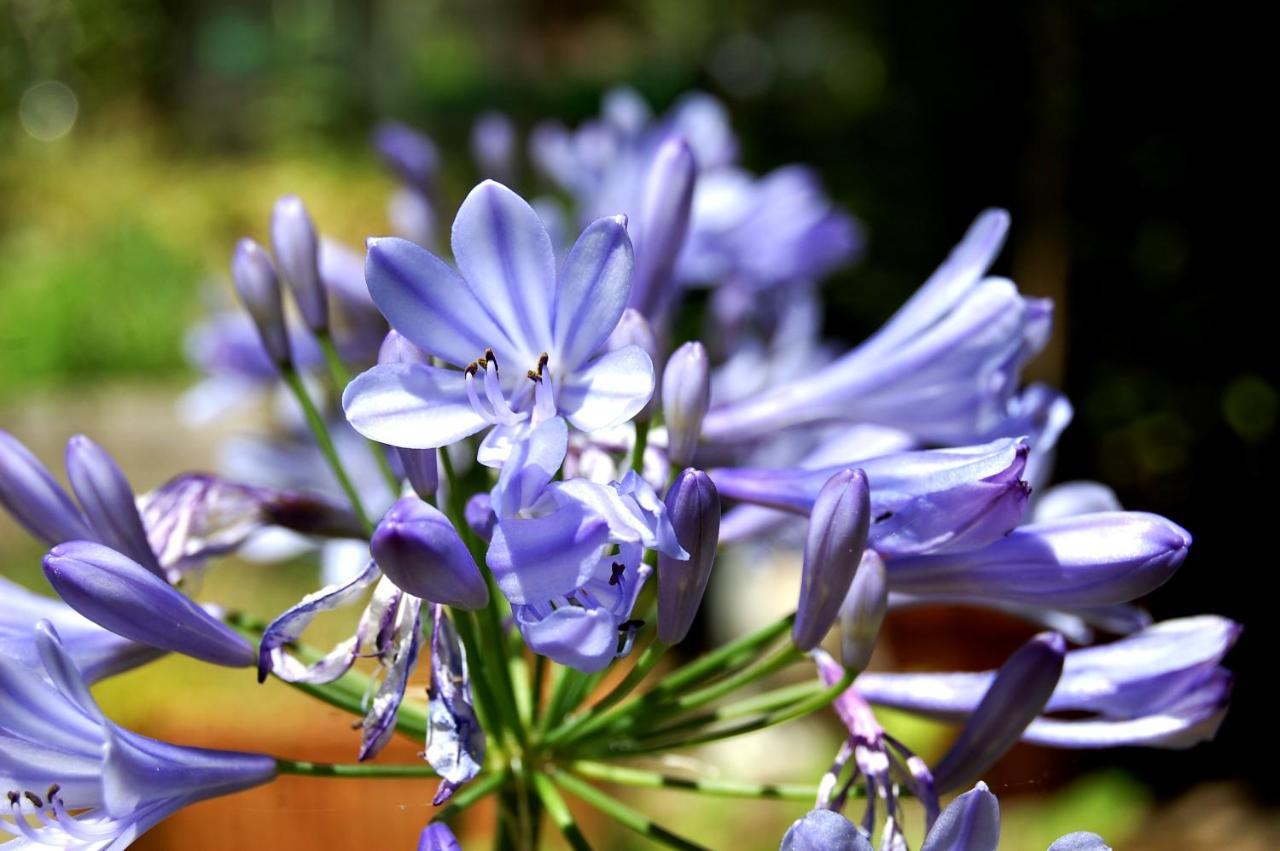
(390, 630)
(455, 739)
(945, 367)
(76, 780)
(526, 340)
(937, 500)
(1160, 687)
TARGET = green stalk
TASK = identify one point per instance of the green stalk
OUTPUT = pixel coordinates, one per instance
(728, 657)
(788, 655)
(559, 812)
(341, 378)
(630, 818)
(647, 744)
(363, 770)
(492, 719)
(320, 432)
(642, 443)
(752, 705)
(579, 727)
(626, 776)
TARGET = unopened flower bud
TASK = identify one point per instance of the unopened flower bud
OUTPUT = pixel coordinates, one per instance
(686, 391)
(297, 250)
(661, 225)
(29, 492)
(863, 612)
(419, 550)
(259, 291)
(837, 536)
(694, 508)
(108, 501)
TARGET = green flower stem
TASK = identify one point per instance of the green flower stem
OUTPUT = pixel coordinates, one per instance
(320, 432)
(630, 818)
(492, 718)
(476, 790)
(728, 657)
(626, 776)
(347, 692)
(804, 707)
(341, 378)
(362, 770)
(582, 726)
(642, 443)
(559, 812)
(788, 655)
(539, 678)
(750, 706)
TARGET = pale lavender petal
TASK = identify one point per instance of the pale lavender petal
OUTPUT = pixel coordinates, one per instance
(537, 559)
(1017, 694)
(429, 303)
(411, 406)
(379, 722)
(455, 740)
(121, 595)
(1071, 499)
(291, 623)
(108, 501)
(591, 294)
(34, 498)
(530, 466)
(609, 390)
(505, 254)
(584, 639)
(969, 823)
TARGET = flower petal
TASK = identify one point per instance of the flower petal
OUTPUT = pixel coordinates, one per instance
(969, 823)
(584, 639)
(505, 254)
(608, 391)
(534, 560)
(411, 406)
(592, 293)
(430, 304)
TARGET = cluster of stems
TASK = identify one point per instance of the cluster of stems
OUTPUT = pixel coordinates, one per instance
(552, 729)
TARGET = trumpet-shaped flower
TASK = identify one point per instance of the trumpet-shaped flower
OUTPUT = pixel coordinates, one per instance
(526, 341)
(76, 780)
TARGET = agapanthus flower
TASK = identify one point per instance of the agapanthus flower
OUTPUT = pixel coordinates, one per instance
(526, 341)
(97, 652)
(945, 367)
(76, 780)
(1163, 686)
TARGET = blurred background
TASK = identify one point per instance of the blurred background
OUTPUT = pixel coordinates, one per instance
(142, 137)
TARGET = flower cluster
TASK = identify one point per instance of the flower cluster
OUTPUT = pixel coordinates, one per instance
(516, 470)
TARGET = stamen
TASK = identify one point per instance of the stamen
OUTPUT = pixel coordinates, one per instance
(618, 569)
(35, 800)
(491, 358)
(533, 376)
(15, 799)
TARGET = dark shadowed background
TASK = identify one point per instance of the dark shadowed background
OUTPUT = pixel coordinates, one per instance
(141, 137)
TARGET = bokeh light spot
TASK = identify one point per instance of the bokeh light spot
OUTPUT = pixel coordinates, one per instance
(48, 110)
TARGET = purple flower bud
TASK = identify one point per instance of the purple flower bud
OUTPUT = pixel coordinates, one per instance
(438, 837)
(1081, 840)
(259, 291)
(480, 515)
(838, 529)
(493, 144)
(108, 501)
(297, 250)
(863, 611)
(694, 508)
(421, 469)
(969, 823)
(419, 550)
(1019, 692)
(824, 830)
(35, 499)
(410, 154)
(121, 595)
(686, 390)
(662, 225)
